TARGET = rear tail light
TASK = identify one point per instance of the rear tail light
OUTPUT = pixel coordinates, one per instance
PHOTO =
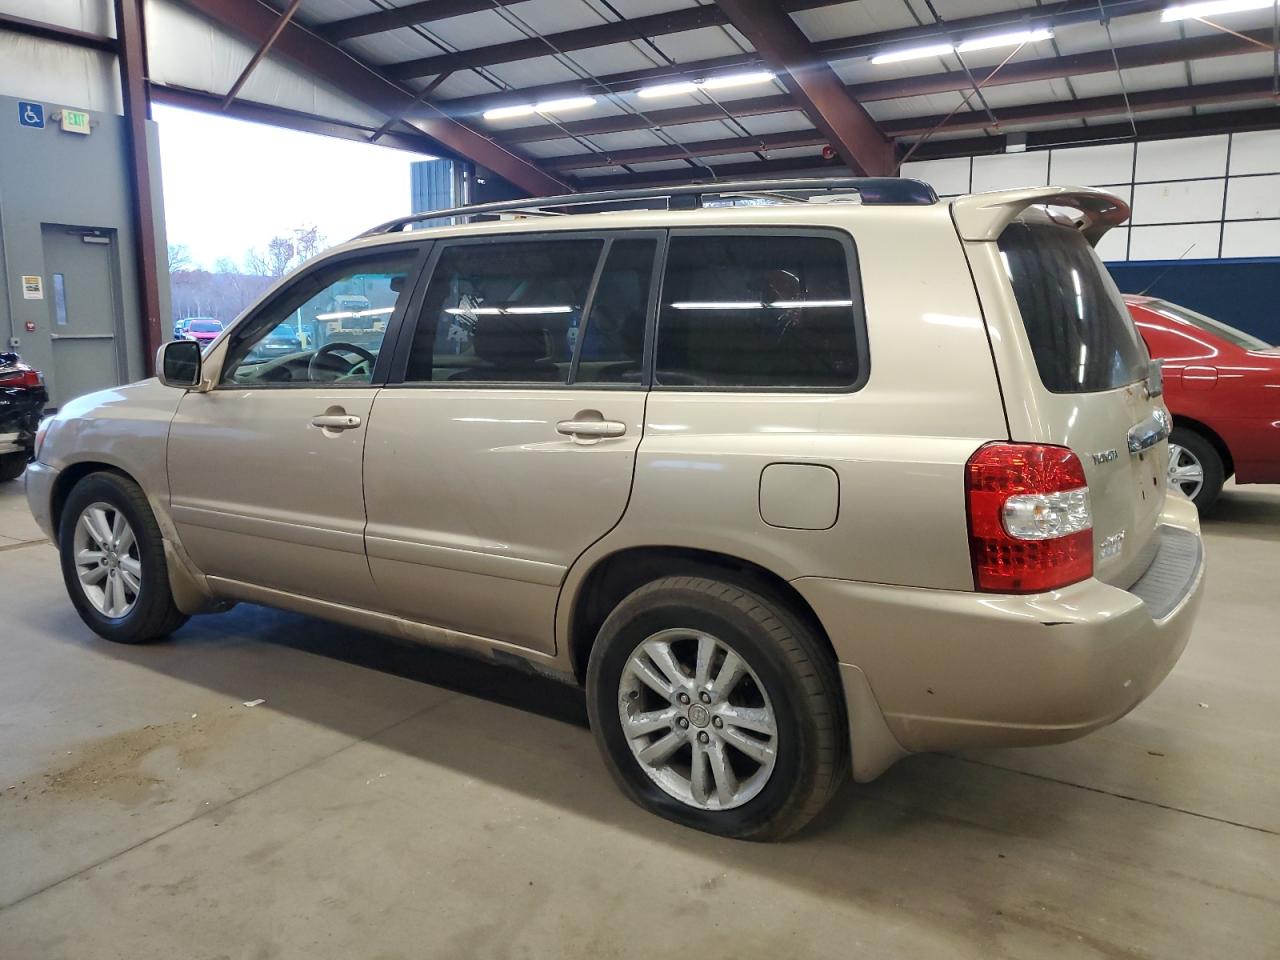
(21, 377)
(1030, 525)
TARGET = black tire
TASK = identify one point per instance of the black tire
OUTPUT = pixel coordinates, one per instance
(153, 615)
(1210, 462)
(798, 675)
(11, 466)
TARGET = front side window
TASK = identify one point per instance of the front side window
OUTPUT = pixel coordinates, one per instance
(327, 327)
(503, 312)
(1081, 334)
(758, 311)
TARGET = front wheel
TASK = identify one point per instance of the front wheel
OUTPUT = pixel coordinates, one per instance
(113, 561)
(1195, 467)
(717, 708)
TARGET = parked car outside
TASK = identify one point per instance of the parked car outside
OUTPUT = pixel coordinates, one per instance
(203, 330)
(284, 339)
(1222, 386)
(782, 508)
(180, 328)
(22, 401)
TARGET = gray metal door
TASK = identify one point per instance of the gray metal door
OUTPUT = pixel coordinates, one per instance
(84, 310)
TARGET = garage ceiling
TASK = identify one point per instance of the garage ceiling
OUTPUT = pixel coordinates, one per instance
(550, 92)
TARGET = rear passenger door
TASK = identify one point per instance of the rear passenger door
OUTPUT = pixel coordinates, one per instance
(505, 443)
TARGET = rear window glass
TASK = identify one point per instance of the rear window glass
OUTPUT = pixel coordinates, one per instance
(1080, 332)
(758, 311)
(1239, 338)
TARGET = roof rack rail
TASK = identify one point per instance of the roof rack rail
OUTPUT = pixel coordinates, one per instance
(871, 190)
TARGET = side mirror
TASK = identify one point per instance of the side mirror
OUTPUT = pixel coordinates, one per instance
(178, 364)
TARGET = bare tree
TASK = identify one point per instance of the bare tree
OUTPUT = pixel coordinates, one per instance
(279, 255)
(179, 257)
(308, 241)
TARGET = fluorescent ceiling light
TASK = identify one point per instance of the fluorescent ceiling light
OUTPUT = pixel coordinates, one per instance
(717, 305)
(556, 308)
(667, 89)
(564, 103)
(736, 80)
(1211, 8)
(802, 304)
(913, 53)
(711, 83)
(502, 113)
(1003, 40)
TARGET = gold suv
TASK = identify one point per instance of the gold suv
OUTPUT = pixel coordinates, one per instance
(810, 481)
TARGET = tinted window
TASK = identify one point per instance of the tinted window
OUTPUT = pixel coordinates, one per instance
(337, 316)
(503, 312)
(1081, 334)
(613, 339)
(757, 311)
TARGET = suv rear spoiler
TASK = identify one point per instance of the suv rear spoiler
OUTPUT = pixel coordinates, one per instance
(983, 216)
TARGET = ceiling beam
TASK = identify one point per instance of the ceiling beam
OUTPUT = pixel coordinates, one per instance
(1145, 101)
(814, 86)
(582, 38)
(841, 48)
(256, 21)
(428, 11)
(56, 32)
(1232, 91)
(1098, 61)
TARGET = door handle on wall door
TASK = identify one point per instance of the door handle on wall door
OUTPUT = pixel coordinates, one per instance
(335, 421)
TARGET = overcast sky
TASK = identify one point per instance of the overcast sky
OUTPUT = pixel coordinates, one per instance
(230, 185)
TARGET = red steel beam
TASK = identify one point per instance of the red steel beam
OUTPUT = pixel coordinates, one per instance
(830, 50)
(53, 31)
(1232, 91)
(132, 57)
(256, 21)
(816, 88)
(428, 11)
(263, 49)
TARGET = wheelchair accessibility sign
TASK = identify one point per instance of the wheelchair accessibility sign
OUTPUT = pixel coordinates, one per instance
(30, 114)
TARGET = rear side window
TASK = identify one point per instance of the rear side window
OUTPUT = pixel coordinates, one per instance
(1081, 335)
(764, 311)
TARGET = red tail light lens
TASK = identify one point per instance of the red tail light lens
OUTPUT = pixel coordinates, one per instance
(1030, 524)
(21, 377)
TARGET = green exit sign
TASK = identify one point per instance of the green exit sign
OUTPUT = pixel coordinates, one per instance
(75, 121)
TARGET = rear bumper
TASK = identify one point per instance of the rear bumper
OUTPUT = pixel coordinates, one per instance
(948, 669)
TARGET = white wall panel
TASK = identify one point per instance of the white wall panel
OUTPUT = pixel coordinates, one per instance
(1092, 166)
(1257, 152)
(1191, 241)
(57, 73)
(1007, 170)
(949, 177)
(1256, 238)
(1114, 244)
(1252, 197)
(1182, 159)
(1190, 200)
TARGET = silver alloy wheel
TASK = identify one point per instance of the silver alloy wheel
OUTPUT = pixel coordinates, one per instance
(1186, 472)
(697, 719)
(107, 560)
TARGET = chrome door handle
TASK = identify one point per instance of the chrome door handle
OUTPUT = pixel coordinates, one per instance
(335, 421)
(592, 428)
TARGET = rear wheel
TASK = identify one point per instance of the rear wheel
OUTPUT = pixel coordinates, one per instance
(717, 708)
(12, 465)
(1195, 467)
(113, 561)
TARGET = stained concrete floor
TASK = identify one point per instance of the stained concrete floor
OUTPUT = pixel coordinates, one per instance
(387, 801)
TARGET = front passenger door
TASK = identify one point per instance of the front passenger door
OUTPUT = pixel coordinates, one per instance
(265, 470)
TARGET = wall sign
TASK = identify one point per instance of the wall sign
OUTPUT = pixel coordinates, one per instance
(30, 114)
(76, 121)
(33, 288)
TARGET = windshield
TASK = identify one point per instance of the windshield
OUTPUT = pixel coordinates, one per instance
(204, 326)
(1233, 336)
(1082, 336)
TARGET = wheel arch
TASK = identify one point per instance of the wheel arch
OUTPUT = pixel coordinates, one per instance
(1212, 436)
(71, 475)
(612, 577)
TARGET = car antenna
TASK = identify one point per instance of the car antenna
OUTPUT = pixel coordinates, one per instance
(1160, 275)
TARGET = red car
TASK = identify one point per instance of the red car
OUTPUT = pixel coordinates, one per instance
(204, 330)
(1222, 386)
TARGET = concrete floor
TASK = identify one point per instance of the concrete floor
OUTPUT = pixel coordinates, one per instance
(387, 801)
